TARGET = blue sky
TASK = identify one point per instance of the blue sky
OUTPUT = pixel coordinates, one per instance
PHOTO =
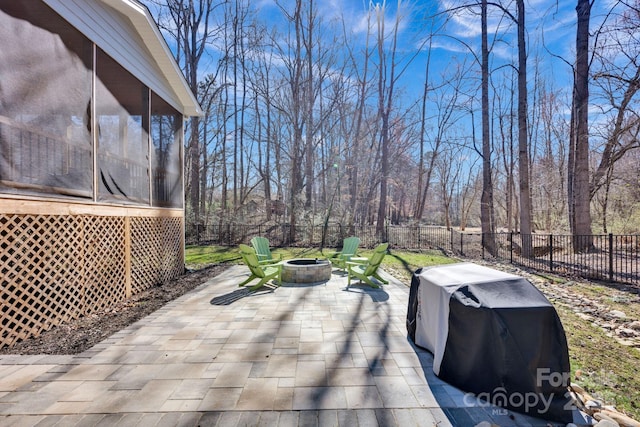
(550, 29)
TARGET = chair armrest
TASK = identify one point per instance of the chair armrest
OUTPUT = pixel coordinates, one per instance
(271, 264)
(350, 264)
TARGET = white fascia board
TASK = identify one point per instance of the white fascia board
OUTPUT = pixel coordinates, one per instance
(143, 22)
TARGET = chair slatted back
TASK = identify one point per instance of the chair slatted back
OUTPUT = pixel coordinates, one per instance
(262, 249)
(350, 246)
(374, 262)
(251, 259)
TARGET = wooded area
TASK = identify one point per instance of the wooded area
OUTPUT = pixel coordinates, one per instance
(311, 121)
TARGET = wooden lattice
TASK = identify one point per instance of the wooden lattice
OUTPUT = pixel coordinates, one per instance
(146, 240)
(156, 251)
(58, 267)
(40, 257)
(172, 248)
(104, 262)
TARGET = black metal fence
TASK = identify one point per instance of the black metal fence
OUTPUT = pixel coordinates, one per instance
(319, 236)
(613, 258)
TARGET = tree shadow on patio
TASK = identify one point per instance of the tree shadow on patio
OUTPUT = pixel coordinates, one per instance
(231, 297)
(376, 295)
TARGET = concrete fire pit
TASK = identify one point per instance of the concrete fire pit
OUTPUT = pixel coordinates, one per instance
(306, 270)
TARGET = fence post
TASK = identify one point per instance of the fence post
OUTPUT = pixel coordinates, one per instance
(386, 232)
(551, 252)
(511, 247)
(451, 238)
(611, 257)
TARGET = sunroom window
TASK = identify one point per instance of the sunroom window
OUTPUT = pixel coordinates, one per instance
(74, 122)
(45, 101)
(122, 110)
(166, 161)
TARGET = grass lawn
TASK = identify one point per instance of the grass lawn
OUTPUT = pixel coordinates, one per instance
(605, 368)
(400, 264)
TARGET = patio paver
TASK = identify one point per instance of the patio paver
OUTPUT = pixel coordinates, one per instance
(317, 354)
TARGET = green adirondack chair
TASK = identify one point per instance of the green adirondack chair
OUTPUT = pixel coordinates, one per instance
(264, 272)
(382, 248)
(263, 251)
(364, 271)
(349, 249)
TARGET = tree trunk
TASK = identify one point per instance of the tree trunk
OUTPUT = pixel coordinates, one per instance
(309, 136)
(580, 202)
(354, 187)
(486, 200)
(297, 107)
(523, 143)
(420, 195)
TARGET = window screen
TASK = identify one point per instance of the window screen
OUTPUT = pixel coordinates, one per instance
(166, 132)
(122, 110)
(45, 93)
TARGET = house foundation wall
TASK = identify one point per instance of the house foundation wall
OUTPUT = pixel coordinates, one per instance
(60, 260)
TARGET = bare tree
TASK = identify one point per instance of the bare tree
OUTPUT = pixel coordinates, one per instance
(260, 81)
(387, 79)
(468, 196)
(188, 23)
(549, 172)
(446, 113)
(355, 134)
(211, 91)
(617, 80)
(523, 141)
(385, 99)
(487, 218)
(526, 217)
(506, 117)
(578, 175)
(449, 170)
(309, 100)
(421, 195)
(423, 187)
(293, 54)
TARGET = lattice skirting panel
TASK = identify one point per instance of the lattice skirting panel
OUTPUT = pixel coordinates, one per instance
(54, 268)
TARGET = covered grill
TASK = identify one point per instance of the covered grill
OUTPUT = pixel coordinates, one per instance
(492, 334)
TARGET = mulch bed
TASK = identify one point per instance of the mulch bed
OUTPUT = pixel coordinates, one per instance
(79, 335)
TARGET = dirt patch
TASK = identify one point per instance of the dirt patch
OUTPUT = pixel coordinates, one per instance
(79, 335)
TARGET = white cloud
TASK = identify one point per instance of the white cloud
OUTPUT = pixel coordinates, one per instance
(449, 46)
(466, 21)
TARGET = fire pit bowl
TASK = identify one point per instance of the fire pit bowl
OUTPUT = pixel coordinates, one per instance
(306, 270)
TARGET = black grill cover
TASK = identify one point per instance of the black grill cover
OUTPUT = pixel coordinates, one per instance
(492, 334)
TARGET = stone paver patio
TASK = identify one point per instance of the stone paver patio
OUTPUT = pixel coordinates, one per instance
(307, 355)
